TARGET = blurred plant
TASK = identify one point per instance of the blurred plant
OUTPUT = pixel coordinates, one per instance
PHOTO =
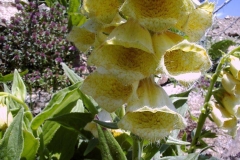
(35, 40)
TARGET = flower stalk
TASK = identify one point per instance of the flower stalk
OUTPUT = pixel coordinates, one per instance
(137, 147)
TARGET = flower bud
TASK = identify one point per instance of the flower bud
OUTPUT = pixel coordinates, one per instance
(235, 67)
(224, 119)
(6, 117)
(232, 104)
(230, 84)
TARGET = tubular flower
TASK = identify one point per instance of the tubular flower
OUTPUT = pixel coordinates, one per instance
(151, 116)
(106, 90)
(235, 67)
(103, 11)
(185, 62)
(84, 37)
(232, 104)
(128, 65)
(230, 84)
(6, 117)
(224, 119)
(197, 22)
(155, 15)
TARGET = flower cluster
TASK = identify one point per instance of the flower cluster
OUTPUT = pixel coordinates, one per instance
(226, 111)
(35, 39)
(131, 41)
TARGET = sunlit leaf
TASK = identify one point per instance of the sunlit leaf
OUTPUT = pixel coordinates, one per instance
(18, 87)
(74, 78)
(110, 125)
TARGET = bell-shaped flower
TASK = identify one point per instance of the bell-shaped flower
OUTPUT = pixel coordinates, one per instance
(151, 116)
(184, 61)
(103, 11)
(197, 21)
(230, 84)
(128, 63)
(232, 104)
(156, 16)
(235, 67)
(106, 90)
(6, 117)
(223, 119)
(84, 37)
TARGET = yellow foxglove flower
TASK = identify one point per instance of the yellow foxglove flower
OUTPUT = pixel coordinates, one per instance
(224, 119)
(235, 67)
(131, 35)
(151, 116)
(84, 37)
(128, 65)
(230, 84)
(197, 22)
(154, 15)
(103, 11)
(106, 90)
(6, 117)
(232, 104)
(185, 62)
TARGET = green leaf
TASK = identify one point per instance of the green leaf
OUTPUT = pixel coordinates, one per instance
(9, 77)
(192, 156)
(194, 118)
(11, 145)
(103, 146)
(175, 141)
(115, 149)
(57, 104)
(75, 18)
(50, 3)
(208, 134)
(48, 130)
(74, 78)
(74, 121)
(18, 87)
(150, 150)
(31, 145)
(89, 103)
(63, 143)
(180, 99)
(78, 107)
(110, 125)
(91, 145)
(215, 50)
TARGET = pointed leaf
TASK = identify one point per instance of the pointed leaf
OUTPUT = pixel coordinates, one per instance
(63, 143)
(89, 103)
(11, 145)
(216, 48)
(78, 107)
(192, 156)
(74, 78)
(175, 141)
(31, 145)
(18, 87)
(48, 130)
(9, 77)
(58, 103)
(91, 145)
(180, 99)
(110, 125)
(75, 121)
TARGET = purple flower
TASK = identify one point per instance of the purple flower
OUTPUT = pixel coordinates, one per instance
(47, 33)
(44, 45)
(2, 38)
(19, 7)
(58, 59)
(4, 20)
(71, 48)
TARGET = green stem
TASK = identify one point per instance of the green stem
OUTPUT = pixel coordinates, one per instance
(137, 147)
(206, 110)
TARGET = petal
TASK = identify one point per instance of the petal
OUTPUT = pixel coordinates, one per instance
(155, 15)
(198, 21)
(235, 67)
(230, 84)
(152, 124)
(232, 104)
(106, 90)
(104, 11)
(6, 117)
(151, 95)
(81, 38)
(162, 42)
(127, 64)
(131, 34)
(224, 119)
(185, 61)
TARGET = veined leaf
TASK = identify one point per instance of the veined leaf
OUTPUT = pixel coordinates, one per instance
(58, 103)
(192, 156)
(174, 141)
(9, 77)
(216, 48)
(11, 145)
(31, 145)
(49, 129)
(74, 121)
(110, 125)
